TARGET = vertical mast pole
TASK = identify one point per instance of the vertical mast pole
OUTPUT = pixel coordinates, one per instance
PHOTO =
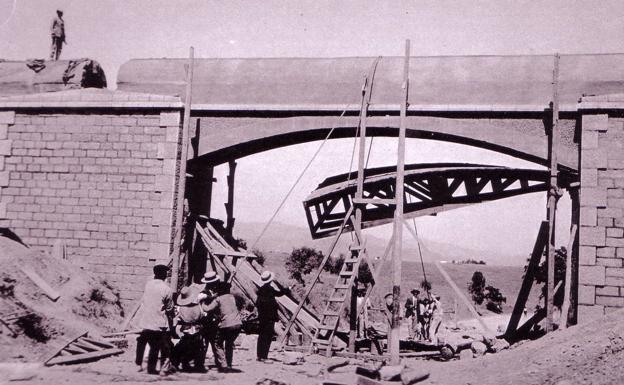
(393, 341)
(552, 198)
(186, 124)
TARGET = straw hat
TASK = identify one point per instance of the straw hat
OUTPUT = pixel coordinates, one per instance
(186, 296)
(266, 277)
(210, 277)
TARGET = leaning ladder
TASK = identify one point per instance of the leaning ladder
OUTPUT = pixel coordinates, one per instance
(341, 293)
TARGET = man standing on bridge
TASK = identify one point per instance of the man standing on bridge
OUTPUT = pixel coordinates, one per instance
(58, 35)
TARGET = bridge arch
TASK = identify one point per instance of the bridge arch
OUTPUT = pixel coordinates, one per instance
(521, 137)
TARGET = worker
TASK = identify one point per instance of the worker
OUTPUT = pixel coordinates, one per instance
(412, 314)
(229, 326)
(425, 317)
(155, 318)
(362, 313)
(436, 319)
(190, 346)
(209, 329)
(267, 315)
(58, 35)
(389, 304)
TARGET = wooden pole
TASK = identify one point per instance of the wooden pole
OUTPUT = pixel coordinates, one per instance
(182, 175)
(229, 205)
(394, 337)
(552, 198)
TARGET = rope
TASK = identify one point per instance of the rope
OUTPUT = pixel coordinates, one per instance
(266, 226)
(422, 263)
(370, 147)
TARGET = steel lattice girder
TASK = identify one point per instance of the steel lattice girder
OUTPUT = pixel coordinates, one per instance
(429, 189)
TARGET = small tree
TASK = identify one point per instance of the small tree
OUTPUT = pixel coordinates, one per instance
(303, 261)
(476, 287)
(260, 257)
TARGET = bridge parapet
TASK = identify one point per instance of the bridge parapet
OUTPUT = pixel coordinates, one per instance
(601, 253)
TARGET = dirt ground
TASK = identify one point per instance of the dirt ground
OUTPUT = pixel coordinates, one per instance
(586, 354)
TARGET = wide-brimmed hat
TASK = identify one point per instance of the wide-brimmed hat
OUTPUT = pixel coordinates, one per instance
(414, 290)
(210, 277)
(266, 277)
(186, 296)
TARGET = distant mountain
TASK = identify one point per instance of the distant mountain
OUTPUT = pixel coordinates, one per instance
(281, 237)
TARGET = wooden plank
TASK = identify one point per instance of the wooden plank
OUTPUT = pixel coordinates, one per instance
(69, 341)
(77, 358)
(527, 283)
(96, 343)
(119, 334)
(567, 291)
(43, 285)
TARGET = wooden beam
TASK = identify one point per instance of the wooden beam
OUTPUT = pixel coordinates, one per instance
(527, 283)
(181, 187)
(43, 285)
(567, 291)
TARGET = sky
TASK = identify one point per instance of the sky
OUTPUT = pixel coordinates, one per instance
(113, 32)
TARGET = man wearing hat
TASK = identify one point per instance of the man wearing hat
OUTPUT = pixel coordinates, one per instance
(209, 324)
(190, 346)
(154, 318)
(267, 315)
(58, 35)
(412, 314)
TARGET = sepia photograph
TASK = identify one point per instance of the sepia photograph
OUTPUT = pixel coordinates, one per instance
(301, 192)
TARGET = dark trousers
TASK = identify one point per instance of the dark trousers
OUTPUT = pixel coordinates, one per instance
(159, 343)
(224, 345)
(189, 348)
(265, 337)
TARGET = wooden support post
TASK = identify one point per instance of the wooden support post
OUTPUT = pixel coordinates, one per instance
(229, 205)
(359, 194)
(397, 252)
(553, 195)
(576, 212)
(527, 283)
(565, 308)
(181, 188)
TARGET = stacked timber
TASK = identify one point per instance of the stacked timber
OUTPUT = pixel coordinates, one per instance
(36, 76)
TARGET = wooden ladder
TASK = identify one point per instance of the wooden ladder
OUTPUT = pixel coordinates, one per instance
(330, 319)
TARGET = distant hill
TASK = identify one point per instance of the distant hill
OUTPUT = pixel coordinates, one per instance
(281, 237)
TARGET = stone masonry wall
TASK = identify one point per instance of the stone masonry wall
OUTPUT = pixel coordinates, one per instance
(601, 254)
(102, 181)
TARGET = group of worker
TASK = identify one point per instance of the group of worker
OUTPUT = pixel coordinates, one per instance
(424, 315)
(204, 315)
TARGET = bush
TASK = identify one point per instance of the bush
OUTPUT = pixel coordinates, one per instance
(260, 257)
(303, 261)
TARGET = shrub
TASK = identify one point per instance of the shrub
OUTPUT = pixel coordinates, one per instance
(303, 261)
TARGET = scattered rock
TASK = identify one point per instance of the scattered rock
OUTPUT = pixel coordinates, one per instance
(478, 348)
(465, 354)
(336, 363)
(411, 376)
(391, 372)
(268, 381)
(499, 345)
(447, 352)
(292, 358)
